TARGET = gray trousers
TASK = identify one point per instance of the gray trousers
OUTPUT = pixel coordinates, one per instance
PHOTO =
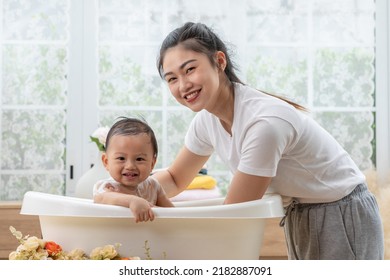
(347, 229)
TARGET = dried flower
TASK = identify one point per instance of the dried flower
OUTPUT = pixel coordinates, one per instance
(53, 248)
(31, 244)
(104, 253)
(77, 254)
(34, 248)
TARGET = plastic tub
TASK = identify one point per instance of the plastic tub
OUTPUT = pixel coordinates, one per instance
(202, 229)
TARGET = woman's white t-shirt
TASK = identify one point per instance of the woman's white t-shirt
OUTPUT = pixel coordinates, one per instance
(271, 138)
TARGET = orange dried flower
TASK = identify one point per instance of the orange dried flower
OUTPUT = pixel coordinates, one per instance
(53, 248)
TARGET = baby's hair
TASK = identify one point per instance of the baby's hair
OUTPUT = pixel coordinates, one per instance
(132, 126)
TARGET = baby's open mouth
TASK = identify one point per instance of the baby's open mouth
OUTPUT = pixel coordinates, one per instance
(130, 175)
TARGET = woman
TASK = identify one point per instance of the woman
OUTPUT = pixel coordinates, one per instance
(269, 144)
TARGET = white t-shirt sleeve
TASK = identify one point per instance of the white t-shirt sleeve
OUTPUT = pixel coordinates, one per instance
(263, 145)
(196, 139)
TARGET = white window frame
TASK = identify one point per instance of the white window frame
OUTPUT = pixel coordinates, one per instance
(82, 91)
(382, 70)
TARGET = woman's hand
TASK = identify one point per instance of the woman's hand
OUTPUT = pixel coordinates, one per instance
(141, 209)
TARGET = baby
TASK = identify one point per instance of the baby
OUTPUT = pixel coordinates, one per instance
(130, 156)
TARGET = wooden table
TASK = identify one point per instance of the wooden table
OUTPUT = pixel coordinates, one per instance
(9, 216)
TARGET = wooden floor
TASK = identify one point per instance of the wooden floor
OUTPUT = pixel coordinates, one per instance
(274, 247)
(274, 244)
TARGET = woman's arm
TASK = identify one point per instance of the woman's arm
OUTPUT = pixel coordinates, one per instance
(183, 170)
(245, 187)
(163, 201)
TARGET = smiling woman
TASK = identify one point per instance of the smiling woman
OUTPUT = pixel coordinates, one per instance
(68, 66)
(269, 145)
(181, 78)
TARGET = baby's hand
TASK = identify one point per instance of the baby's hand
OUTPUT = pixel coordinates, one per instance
(141, 209)
(111, 188)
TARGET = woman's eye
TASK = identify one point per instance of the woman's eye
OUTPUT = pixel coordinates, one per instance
(170, 80)
(190, 69)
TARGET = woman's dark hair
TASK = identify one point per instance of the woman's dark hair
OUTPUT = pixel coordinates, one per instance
(200, 38)
(132, 126)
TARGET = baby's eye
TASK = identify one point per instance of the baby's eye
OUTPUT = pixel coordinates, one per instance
(120, 158)
(140, 159)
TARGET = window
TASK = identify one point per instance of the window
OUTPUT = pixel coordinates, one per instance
(69, 66)
(33, 99)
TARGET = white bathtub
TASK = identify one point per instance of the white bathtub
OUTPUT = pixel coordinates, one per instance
(203, 229)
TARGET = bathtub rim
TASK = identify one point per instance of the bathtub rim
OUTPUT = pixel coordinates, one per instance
(45, 204)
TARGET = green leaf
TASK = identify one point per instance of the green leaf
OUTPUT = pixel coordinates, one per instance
(98, 144)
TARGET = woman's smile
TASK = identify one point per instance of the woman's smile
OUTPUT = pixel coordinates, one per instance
(190, 97)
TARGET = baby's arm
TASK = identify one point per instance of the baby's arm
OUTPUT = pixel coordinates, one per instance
(141, 209)
(113, 198)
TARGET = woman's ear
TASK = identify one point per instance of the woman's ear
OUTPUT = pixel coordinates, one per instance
(220, 58)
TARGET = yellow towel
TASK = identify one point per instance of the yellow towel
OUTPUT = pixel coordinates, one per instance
(202, 182)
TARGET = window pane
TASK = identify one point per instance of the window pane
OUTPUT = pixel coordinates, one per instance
(214, 13)
(354, 132)
(34, 75)
(343, 77)
(177, 124)
(35, 20)
(33, 96)
(347, 21)
(124, 80)
(131, 21)
(281, 71)
(277, 21)
(31, 141)
(13, 187)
